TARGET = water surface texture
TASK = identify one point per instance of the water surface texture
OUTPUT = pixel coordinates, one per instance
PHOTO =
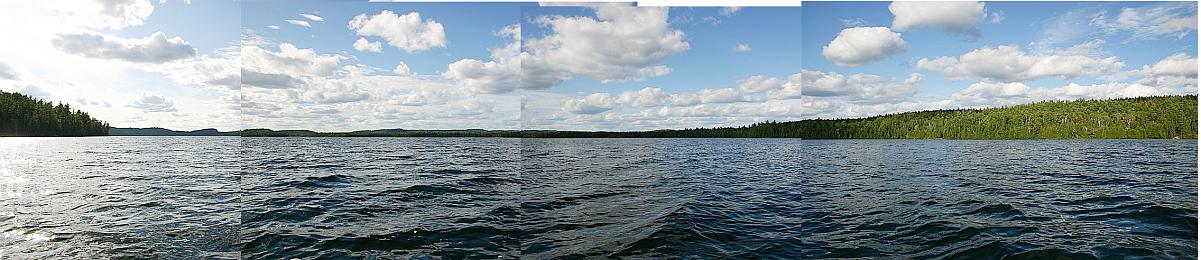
(283, 198)
(119, 197)
(788, 198)
(380, 197)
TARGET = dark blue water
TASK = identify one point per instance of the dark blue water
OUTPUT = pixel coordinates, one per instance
(119, 198)
(573, 198)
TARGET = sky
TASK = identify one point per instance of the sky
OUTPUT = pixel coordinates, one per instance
(344, 65)
(870, 58)
(130, 63)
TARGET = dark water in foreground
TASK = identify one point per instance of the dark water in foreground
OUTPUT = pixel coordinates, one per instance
(272, 198)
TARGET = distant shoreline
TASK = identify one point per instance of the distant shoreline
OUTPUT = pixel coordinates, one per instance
(1152, 118)
(1157, 118)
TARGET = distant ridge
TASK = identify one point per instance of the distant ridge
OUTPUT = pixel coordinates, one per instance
(157, 131)
(1163, 117)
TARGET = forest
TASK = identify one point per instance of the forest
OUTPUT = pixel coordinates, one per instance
(1164, 117)
(22, 115)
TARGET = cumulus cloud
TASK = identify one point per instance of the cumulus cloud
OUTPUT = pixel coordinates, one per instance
(757, 83)
(362, 44)
(408, 32)
(950, 16)
(742, 47)
(992, 94)
(863, 45)
(1152, 21)
(289, 61)
(402, 69)
(117, 14)
(202, 70)
(622, 44)
(721, 95)
(1180, 64)
(267, 80)
(591, 104)
(1008, 63)
(153, 103)
(859, 87)
(499, 75)
(300, 23)
(156, 48)
(776, 88)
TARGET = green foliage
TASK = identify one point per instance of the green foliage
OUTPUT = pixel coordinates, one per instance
(22, 115)
(1167, 117)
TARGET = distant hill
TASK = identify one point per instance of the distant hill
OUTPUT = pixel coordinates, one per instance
(22, 115)
(1165, 117)
(156, 131)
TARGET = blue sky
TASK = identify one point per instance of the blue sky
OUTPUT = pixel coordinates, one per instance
(469, 29)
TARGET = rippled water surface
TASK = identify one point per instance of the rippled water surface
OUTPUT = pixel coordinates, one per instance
(119, 197)
(571, 198)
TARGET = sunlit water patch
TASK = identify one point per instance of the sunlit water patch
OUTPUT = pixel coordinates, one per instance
(119, 197)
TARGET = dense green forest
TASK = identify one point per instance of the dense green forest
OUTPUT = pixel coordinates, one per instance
(22, 115)
(1166, 117)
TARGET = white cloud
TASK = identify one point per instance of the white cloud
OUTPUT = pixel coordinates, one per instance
(757, 83)
(742, 47)
(402, 69)
(721, 95)
(362, 44)
(156, 48)
(1152, 21)
(202, 71)
(857, 22)
(729, 10)
(996, 17)
(591, 104)
(863, 45)
(1009, 64)
(115, 14)
(300, 23)
(859, 87)
(289, 60)
(950, 16)
(273, 27)
(408, 32)
(1179, 64)
(153, 103)
(791, 89)
(313, 17)
(622, 44)
(993, 94)
(499, 75)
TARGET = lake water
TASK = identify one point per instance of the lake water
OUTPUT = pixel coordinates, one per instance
(275, 198)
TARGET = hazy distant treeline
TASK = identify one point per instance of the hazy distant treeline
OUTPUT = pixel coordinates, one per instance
(1167, 117)
(22, 115)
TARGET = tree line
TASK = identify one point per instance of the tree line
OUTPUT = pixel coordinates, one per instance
(22, 115)
(1164, 117)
